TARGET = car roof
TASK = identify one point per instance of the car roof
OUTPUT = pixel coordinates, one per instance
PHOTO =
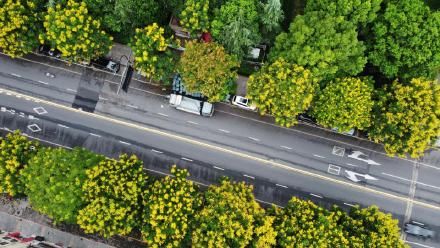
(419, 230)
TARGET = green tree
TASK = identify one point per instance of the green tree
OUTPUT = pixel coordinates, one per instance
(345, 103)
(235, 26)
(169, 206)
(152, 57)
(113, 193)
(54, 178)
(326, 45)
(405, 40)
(406, 117)
(195, 17)
(19, 27)
(73, 31)
(228, 217)
(358, 12)
(271, 15)
(283, 90)
(208, 69)
(304, 224)
(369, 227)
(15, 152)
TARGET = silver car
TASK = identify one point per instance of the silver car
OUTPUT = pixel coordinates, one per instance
(418, 229)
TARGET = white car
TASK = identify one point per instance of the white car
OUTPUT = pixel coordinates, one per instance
(243, 103)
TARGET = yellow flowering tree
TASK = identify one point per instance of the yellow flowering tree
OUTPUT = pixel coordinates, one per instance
(152, 57)
(369, 227)
(208, 69)
(283, 90)
(345, 103)
(406, 117)
(75, 33)
(304, 224)
(195, 17)
(15, 152)
(19, 27)
(229, 218)
(169, 206)
(112, 191)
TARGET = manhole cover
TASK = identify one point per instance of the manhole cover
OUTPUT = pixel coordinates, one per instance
(40, 110)
(34, 128)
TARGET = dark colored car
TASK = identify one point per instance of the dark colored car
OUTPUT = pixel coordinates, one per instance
(418, 229)
(106, 64)
(48, 51)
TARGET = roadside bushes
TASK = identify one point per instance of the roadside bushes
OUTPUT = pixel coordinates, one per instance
(115, 196)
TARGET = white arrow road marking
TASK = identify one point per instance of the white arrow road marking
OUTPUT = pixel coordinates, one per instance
(362, 157)
(353, 176)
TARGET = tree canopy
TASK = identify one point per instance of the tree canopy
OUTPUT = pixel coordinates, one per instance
(19, 27)
(208, 69)
(358, 12)
(406, 117)
(404, 42)
(75, 33)
(195, 17)
(53, 181)
(235, 26)
(345, 103)
(15, 152)
(113, 193)
(169, 207)
(283, 90)
(327, 45)
(228, 217)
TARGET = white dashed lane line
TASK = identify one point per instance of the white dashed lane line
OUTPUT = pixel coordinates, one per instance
(161, 114)
(187, 159)
(223, 131)
(315, 195)
(348, 204)
(318, 156)
(282, 186)
(16, 75)
(286, 147)
(125, 143)
(61, 125)
(41, 82)
(156, 151)
(132, 106)
(71, 90)
(251, 177)
(352, 165)
(94, 134)
(192, 122)
(218, 168)
(254, 139)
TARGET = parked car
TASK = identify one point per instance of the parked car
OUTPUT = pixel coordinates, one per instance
(106, 64)
(48, 51)
(244, 103)
(418, 229)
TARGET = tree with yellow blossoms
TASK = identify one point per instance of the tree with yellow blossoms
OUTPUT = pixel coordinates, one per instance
(113, 192)
(75, 33)
(194, 17)
(229, 218)
(406, 117)
(19, 26)
(152, 56)
(304, 224)
(15, 152)
(283, 90)
(369, 227)
(169, 207)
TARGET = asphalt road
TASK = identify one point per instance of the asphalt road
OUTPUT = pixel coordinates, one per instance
(244, 145)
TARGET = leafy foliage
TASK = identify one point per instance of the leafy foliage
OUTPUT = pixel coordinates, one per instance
(54, 178)
(149, 47)
(169, 206)
(207, 68)
(271, 15)
(358, 12)
(235, 26)
(195, 16)
(406, 117)
(228, 217)
(113, 192)
(304, 224)
(369, 227)
(19, 27)
(73, 31)
(345, 103)
(15, 152)
(326, 45)
(283, 90)
(404, 41)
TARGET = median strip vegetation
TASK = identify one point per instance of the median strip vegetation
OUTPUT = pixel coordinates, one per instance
(116, 197)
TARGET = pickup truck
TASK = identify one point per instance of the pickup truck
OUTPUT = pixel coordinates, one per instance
(191, 105)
